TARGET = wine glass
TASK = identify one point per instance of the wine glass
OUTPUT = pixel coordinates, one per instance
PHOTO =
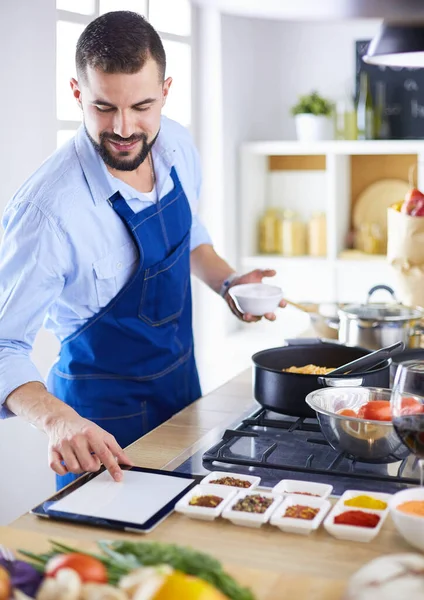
(407, 402)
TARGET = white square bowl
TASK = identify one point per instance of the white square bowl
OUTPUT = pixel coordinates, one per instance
(301, 526)
(246, 519)
(353, 532)
(303, 488)
(254, 481)
(203, 512)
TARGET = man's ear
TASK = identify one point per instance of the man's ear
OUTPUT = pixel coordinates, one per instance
(76, 91)
(165, 89)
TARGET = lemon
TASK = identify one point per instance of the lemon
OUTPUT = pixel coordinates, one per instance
(186, 587)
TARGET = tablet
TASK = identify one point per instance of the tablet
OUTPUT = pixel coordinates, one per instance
(138, 503)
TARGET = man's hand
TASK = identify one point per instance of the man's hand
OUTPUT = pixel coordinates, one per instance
(255, 276)
(83, 446)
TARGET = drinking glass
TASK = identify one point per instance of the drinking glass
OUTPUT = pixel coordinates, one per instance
(407, 401)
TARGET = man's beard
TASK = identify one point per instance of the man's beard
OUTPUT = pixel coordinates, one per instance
(119, 162)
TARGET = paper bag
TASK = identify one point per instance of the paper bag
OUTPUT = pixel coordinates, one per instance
(405, 253)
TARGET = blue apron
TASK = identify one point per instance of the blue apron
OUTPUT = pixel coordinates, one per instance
(131, 366)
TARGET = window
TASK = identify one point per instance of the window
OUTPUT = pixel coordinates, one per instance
(171, 18)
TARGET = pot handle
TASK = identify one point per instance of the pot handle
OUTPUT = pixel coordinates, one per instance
(381, 287)
(332, 323)
(336, 382)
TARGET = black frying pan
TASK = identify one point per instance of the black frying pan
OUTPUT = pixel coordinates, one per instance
(285, 393)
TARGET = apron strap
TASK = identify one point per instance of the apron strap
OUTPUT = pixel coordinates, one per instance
(118, 203)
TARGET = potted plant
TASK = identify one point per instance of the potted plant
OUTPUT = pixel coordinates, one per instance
(313, 118)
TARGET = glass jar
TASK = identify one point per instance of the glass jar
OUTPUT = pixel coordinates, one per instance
(294, 235)
(269, 239)
(317, 235)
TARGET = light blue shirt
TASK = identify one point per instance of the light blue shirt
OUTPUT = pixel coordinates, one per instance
(65, 253)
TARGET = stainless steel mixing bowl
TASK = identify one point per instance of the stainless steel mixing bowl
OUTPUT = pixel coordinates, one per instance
(368, 441)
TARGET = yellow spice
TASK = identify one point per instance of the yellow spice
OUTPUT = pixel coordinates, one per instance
(366, 502)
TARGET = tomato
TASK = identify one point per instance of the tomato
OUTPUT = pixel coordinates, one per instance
(410, 406)
(347, 412)
(378, 410)
(88, 568)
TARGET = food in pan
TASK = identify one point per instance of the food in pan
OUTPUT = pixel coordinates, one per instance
(309, 370)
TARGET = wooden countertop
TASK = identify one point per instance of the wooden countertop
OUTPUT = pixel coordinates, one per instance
(275, 564)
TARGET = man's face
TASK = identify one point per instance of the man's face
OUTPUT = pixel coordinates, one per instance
(122, 112)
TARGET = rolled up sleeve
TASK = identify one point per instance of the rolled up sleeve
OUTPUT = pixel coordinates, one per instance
(199, 233)
(32, 277)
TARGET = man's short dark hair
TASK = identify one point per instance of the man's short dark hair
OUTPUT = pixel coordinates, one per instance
(119, 42)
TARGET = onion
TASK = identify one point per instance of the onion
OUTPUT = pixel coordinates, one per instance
(22, 575)
(390, 577)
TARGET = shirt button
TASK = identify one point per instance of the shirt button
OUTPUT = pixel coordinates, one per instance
(119, 265)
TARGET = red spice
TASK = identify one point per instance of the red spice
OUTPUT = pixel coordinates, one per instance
(298, 511)
(358, 518)
(306, 494)
(209, 501)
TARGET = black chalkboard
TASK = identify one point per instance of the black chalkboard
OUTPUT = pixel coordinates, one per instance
(404, 97)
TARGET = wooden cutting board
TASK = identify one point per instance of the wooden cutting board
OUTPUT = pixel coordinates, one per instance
(266, 585)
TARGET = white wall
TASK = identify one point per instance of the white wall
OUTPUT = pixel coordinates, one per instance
(27, 103)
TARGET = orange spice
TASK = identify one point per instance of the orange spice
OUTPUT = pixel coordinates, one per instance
(413, 507)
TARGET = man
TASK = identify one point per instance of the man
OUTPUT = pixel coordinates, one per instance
(99, 242)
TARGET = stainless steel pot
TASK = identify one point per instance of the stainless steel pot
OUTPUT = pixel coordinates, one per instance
(374, 325)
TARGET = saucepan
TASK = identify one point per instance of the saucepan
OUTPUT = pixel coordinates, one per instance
(284, 392)
(369, 325)
(365, 440)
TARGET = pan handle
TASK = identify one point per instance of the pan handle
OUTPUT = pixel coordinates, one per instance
(345, 382)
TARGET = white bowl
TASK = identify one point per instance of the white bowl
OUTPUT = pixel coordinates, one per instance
(302, 526)
(254, 481)
(256, 299)
(203, 512)
(410, 527)
(301, 489)
(246, 519)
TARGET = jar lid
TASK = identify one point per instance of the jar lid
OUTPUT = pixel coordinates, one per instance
(382, 312)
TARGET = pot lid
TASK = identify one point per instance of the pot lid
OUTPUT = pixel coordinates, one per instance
(382, 312)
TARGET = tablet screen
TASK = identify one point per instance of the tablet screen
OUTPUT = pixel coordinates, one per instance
(134, 501)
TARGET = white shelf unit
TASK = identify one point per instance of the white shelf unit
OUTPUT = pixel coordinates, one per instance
(306, 278)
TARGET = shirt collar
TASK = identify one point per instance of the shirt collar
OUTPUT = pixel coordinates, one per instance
(95, 171)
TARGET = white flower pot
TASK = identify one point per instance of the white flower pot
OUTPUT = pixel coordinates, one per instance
(311, 128)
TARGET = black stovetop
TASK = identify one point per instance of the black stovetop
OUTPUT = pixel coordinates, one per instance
(275, 447)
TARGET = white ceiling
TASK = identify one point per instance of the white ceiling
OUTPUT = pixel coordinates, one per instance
(321, 9)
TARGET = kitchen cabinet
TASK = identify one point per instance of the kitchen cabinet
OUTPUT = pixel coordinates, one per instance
(320, 177)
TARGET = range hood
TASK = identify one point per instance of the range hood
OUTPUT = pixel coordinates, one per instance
(307, 10)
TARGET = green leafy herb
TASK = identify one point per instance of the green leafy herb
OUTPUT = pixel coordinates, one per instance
(312, 104)
(182, 559)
